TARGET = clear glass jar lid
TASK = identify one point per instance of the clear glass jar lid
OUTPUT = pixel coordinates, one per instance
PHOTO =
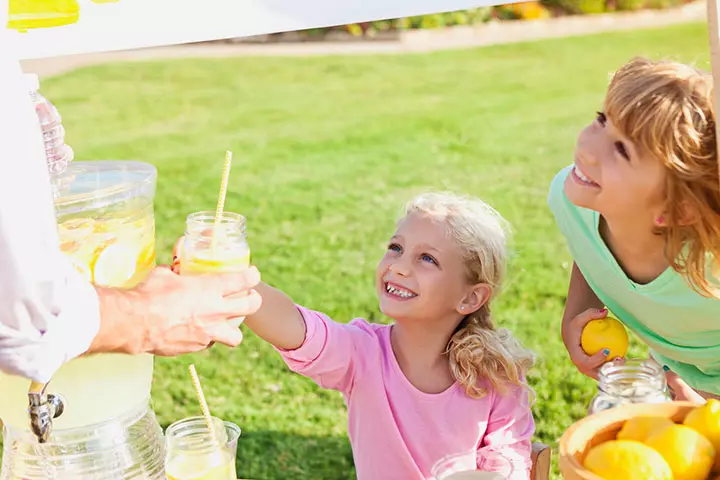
(103, 184)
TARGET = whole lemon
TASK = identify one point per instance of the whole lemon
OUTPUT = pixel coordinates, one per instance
(705, 420)
(604, 333)
(639, 428)
(626, 459)
(689, 454)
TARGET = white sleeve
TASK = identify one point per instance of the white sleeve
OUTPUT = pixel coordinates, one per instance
(48, 313)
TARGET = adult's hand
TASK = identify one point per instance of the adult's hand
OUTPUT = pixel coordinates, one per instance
(170, 314)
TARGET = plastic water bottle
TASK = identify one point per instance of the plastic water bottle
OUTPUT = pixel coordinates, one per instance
(58, 154)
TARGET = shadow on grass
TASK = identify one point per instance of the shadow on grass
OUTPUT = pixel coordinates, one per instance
(266, 455)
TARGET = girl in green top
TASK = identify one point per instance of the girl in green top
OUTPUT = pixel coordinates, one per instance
(640, 210)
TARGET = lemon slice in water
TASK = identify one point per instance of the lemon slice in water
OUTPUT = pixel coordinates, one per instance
(115, 265)
(204, 262)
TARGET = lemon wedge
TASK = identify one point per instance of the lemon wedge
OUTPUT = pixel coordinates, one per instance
(205, 262)
(115, 265)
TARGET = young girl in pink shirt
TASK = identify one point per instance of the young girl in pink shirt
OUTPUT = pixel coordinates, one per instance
(442, 379)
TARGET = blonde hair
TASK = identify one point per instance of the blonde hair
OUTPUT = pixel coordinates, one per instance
(477, 350)
(667, 108)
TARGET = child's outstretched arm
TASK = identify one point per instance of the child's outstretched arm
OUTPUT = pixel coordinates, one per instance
(311, 344)
(581, 306)
(330, 353)
(277, 321)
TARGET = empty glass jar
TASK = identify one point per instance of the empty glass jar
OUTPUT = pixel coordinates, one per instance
(630, 381)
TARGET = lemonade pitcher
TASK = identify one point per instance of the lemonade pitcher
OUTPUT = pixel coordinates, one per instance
(106, 228)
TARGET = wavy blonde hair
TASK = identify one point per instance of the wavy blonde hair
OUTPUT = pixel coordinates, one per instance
(477, 349)
(667, 108)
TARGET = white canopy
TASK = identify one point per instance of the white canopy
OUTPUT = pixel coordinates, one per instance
(129, 24)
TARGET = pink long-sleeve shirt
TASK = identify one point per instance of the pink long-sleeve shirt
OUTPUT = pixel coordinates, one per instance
(397, 431)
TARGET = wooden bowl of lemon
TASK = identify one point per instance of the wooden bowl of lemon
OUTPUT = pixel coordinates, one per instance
(667, 441)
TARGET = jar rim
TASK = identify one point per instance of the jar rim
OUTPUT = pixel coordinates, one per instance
(197, 427)
(203, 223)
(620, 378)
(207, 216)
(647, 367)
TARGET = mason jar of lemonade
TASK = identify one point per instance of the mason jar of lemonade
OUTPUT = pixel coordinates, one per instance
(214, 244)
(107, 229)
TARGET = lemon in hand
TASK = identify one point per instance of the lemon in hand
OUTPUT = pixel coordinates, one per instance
(640, 428)
(705, 420)
(604, 333)
(689, 454)
(627, 459)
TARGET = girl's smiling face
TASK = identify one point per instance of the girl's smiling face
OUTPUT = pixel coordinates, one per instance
(422, 274)
(614, 176)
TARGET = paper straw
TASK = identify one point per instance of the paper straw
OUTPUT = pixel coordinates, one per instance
(223, 186)
(201, 398)
(221, 197)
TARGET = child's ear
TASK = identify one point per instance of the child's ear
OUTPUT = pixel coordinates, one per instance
(478, 296)
(689, 214)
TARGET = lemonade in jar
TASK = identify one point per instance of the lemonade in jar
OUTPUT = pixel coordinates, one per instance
(106, 228)
(214, 244)
(196, 453)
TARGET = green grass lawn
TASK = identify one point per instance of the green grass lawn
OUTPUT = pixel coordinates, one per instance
(327, 150)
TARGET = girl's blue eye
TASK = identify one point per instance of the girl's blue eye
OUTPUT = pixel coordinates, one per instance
(428, 258)
(394, 247)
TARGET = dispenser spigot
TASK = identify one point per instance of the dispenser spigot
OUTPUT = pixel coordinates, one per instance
(43, 409)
